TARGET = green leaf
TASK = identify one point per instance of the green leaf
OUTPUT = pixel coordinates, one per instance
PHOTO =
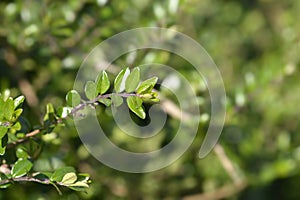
(18, 101)
(79, 184)
(73, 98)
(146, 86)
(17, 113)
(135, 105)
(21, 153)
(60, 173)
(83, 177)
(16, 127)
(20, 168)
(8, 108)
(90, 90)
(102, 82)
(63, 112)
(69, 178)
(106, 102)
(49, 108)
(119, 83)
(116, 100)
(132, 80)
(3, 131)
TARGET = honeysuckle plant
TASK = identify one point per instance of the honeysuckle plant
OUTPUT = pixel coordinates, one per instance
(25, 143)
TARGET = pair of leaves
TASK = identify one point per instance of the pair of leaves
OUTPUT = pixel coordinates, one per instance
(66, 176)
(100, 86)
(130, 83)
(127, 81)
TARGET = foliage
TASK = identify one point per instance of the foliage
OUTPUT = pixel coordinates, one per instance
(254, 43)
(13, 134)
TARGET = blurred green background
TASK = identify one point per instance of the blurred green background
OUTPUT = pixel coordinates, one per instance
(255, 44)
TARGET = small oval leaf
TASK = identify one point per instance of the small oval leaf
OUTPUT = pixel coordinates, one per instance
(146, 86)
(59, 173)
(132, 80)
(102, 82)
(135, 105)
(119, 83)
(18, 101)
(90, 90)
(20, 168)
(73, 98)
(69, 178)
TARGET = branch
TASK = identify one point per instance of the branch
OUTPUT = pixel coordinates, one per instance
(25, 179)
(220, 193)
(239, 183)
(72, 113)
(95, 101)
(31, 179)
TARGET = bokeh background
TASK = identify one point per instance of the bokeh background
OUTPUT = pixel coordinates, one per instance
(255, 44)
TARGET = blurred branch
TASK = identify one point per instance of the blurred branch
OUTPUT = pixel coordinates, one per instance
(27, 89)
(25, 138)
(226, 191)
(220, 193)
(227, 164)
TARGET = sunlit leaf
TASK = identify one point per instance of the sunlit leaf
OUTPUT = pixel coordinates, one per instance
(135, 105)
(60, 173)
(102, 82)
(73, 98)
(146, 86)
(69, 178)
(119, 83)
(18, 101)
(20, 168)
(132, 80)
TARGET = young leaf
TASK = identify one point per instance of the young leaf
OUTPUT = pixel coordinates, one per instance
(60, 173)
(135, 105)
(102, 82)
(20, 168)
(79, 184)
(119, 83)
(146, 86)
(69, 178)
(132, 80)
(73, 98)
(116, 100)
(18, 101)
(90, 90)
(17, 113)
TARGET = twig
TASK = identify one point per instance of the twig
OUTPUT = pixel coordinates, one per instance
(72, 113)
(25, 179)
(24, 139)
